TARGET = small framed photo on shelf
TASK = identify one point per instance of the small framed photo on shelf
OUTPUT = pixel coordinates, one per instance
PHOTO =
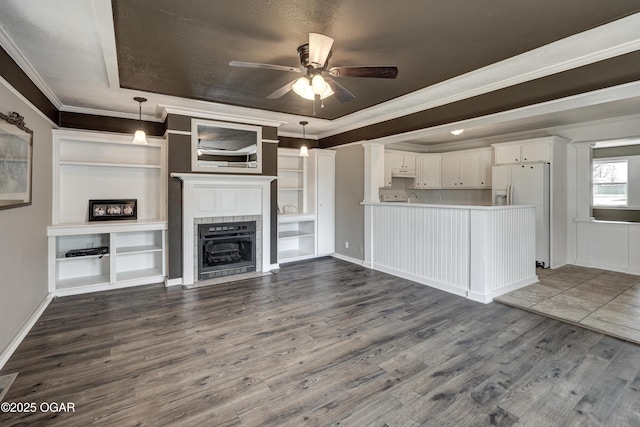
(113, 210)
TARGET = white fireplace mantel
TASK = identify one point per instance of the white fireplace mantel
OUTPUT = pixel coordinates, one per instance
(209, 195)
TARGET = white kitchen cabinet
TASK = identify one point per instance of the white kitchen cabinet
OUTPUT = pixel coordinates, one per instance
(450, 170)
(399, 164)
(538, 150)
(428, 171)
(506, 154)
(486, 166)
(469, 166)
(96, 165)
(466, 169)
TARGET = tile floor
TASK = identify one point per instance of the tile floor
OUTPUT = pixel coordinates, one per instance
(604, 301)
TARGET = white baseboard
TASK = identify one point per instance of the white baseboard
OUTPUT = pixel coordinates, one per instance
(173, 282)
(601, 266)
(274, 267)
(15, 342)
(422, 280)
(487, 298)
(348, 259)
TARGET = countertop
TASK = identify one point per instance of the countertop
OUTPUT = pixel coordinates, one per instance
(479, 206)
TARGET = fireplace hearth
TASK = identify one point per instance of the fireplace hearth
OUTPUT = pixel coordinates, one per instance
(225, 249)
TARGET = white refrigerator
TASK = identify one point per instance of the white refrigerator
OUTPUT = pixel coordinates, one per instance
(527, 185)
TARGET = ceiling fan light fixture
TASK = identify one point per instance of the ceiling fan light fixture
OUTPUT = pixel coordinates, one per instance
(318, 85)
(140, 137)
(302, 87)
(309, 90)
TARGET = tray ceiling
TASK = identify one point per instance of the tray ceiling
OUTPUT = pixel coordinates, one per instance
(457, 59)
(183, 48)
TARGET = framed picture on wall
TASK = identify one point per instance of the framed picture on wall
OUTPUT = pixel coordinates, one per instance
(113, 210)
(16, 154)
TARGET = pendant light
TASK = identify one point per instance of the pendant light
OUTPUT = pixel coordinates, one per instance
(140, 137)
(303, 149)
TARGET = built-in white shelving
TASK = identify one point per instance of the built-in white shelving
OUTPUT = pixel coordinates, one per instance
(95, 166)
(306, 204)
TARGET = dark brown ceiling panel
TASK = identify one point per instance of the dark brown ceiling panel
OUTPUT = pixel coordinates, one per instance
(183, 48)
(612, 72)
(108, 124)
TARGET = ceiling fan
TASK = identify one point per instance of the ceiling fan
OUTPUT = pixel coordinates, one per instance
(317, 82)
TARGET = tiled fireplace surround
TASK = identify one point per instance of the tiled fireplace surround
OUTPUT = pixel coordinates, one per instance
(209, 198)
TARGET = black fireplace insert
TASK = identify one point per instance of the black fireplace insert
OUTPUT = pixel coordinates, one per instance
(226, 249)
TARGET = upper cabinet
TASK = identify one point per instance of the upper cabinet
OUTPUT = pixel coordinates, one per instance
(450, 170)
(428, 171)
(534, 150)
(398, 164)
(467, 169)
(486, 165)
(458, 169)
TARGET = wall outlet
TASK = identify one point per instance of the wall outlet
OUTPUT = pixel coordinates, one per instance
(346, 245)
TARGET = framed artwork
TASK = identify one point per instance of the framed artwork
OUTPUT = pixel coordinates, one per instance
(16, 154)
(110, 210)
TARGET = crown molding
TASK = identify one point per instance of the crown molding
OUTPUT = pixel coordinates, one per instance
(119, 114)
(600, 43)
(202, 114)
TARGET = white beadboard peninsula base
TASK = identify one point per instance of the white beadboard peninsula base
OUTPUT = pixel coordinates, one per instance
(479, 252)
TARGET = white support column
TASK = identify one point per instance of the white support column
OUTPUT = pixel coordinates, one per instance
(373, 171)
(583, 181)
(373, 180)
(583, 203)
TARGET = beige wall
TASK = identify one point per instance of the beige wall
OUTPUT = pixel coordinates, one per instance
(349, 194)
(23, 233)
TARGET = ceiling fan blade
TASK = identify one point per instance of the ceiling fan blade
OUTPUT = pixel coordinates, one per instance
(282, 91)
(377, 71)
(339, 91)
(267, 66)
(319, 49)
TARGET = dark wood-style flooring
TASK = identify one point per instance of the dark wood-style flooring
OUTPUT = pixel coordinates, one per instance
(321, 342)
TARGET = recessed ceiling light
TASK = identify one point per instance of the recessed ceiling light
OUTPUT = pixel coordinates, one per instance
(457, 131)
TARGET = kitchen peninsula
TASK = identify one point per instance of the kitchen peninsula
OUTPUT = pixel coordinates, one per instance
(479, 252)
